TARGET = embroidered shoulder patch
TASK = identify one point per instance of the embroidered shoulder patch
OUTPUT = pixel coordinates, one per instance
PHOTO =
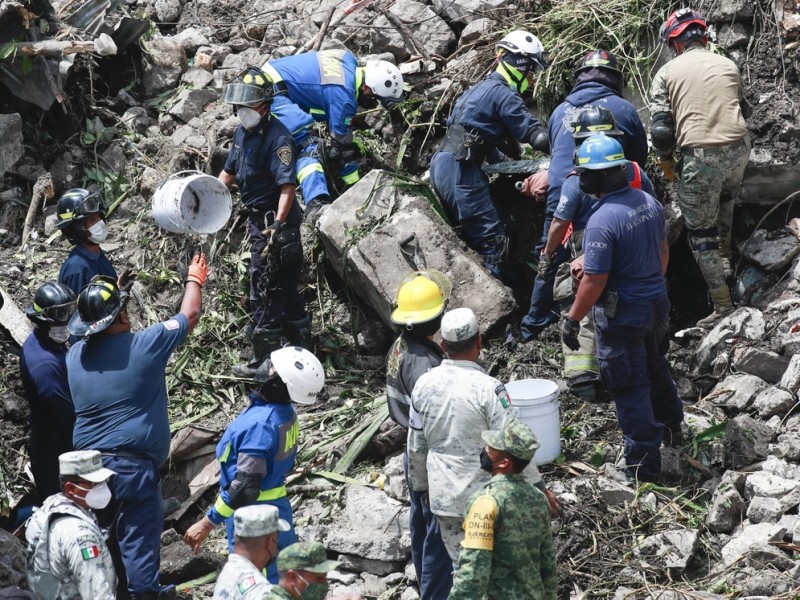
(171, 325)
(90, 552)
(246, 583)
(285, 155)
(502, 395)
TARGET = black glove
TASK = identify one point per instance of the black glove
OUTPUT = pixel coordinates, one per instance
(272, 230)
(540, 140)
(569, 333)
(545, 262)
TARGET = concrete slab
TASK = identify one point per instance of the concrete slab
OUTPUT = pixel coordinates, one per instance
(11, 149)
(13, 319)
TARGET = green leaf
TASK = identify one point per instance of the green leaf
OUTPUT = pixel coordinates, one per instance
(27, 65)
(8, 49)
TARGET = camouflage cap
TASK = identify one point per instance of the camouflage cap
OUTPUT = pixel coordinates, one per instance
(86, 464)
(516, 438)
(257, 520)
(458, 325)
(305, 556)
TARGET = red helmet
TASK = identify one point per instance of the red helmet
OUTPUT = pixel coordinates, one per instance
(678, 22)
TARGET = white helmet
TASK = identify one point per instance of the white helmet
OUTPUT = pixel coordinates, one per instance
(301, 371)
(385, 81)
(524, 44)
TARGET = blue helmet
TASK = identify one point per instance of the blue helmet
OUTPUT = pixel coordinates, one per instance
(598, 152)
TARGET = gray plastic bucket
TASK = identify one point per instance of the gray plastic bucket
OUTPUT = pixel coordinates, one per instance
(198, 204)
(537, 405)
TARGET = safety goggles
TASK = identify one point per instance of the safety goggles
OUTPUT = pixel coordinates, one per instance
(93, 203)
(389, 103)
(59, 313)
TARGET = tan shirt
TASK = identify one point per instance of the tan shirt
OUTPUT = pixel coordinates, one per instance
(702, 91)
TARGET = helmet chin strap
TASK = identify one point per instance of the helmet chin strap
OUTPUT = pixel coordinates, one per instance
(521, 81)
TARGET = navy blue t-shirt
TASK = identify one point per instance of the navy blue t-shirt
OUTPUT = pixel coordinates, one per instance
(623, 239)
(81, 265)
(576, 206)
(263, 159)
(120, 392)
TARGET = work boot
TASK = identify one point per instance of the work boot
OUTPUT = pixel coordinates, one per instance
(723, 305)
(299, 332)
(265, 341)
(312, 209)
(585, 390)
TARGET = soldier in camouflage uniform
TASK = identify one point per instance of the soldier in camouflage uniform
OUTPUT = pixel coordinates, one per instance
(67, 554)
(698, 111)
(304, 567)
(507, 551)
(255, 546)
(450, 406)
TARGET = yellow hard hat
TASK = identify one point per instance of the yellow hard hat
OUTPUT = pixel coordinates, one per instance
(421, 297)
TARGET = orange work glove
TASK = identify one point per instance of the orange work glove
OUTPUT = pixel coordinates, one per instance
(198, 270)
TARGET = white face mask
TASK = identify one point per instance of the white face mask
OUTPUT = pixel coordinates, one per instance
(98, 232)
(59, 334)
(98, 497)
(248, 117)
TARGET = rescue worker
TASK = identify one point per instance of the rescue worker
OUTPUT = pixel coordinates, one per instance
(304, 568)
(698, 114)
(599, 82)
(43, 370)
(262, 162)
(420, 304)
(118, 385)
(258, 448)
(81, 219)
(507, 551)
(328, 86)
(67, 554)
(255, 545)
(450, 406)
(581, 369)
(485, 117)
(626, 256)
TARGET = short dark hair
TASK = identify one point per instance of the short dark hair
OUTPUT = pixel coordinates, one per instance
(518, 464)
(462, 346)
(64, 479)
(424, 329)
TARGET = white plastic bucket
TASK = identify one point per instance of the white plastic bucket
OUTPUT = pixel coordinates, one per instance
(537, 405)
(198, 204)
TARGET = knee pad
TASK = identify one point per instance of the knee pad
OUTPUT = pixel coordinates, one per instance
(701, 240)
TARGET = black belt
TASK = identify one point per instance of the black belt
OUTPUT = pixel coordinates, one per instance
(712, 149)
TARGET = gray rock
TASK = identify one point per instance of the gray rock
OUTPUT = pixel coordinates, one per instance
(687, 389)
(13, 408)
(191, 39)
(136, 119)
(396, 487)
(361, 231)
(672, 467)
(197, 78)
(745, 322)
(409, 593)
(790, 343)
(614, 493)
(733, 36)
(475, 30)
(168, 11)
(465, 11)
(789, 446)
(761, 556)
(746, 440)
(768, 485)
(669, 550)
(767, 365)
(360, 564)
(429, 28)
(773, 401)
(12, 560)
(726, 11)
(766, 584)
(373, 586)
(736, 392)
(11, 149)
(179, 563)
(771, 250)
(164, 62)
(343, 577)
(190, 103)
(759, 533)
(727, 509)
(791, 376)
(764, 510)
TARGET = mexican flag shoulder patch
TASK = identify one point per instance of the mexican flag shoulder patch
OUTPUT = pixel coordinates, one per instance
(90, 552)
(246, 584)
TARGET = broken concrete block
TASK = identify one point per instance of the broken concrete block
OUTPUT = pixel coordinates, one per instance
(737, 391)
(768, 485)
(164, 61)
(197, 77)
(669, 550)
(764, 510)
(475, 30)
(747, 440)
(12, 560)
(168, 11)
(136, 119)
(733, 36)
(191, 39)
(765, 584)
(745, 322)
(190, 103)
(791, 376)
(464, 11)
(359, 564)
(429, 28)
(759, 533)
(726, 11)
(773, 401)
(761, 556)
(179, 563)
(789, 446)
(771, 250)
(361, 232)
(11, 149)
(767, 365)
(727, 509)
(614, 493)
(13, 320)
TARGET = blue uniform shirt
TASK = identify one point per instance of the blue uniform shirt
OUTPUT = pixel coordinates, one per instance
(623, 239)
(119, 389)
(562, 145)
(494, 110)
(43, 370)
(576, 206)
(264, 431)
(81, 265)
(263, 159)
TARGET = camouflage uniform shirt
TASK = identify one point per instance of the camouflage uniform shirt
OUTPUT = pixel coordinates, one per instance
(278, 593)
(455, 402)
(507, 550)
(240, 580)
(67, 554)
